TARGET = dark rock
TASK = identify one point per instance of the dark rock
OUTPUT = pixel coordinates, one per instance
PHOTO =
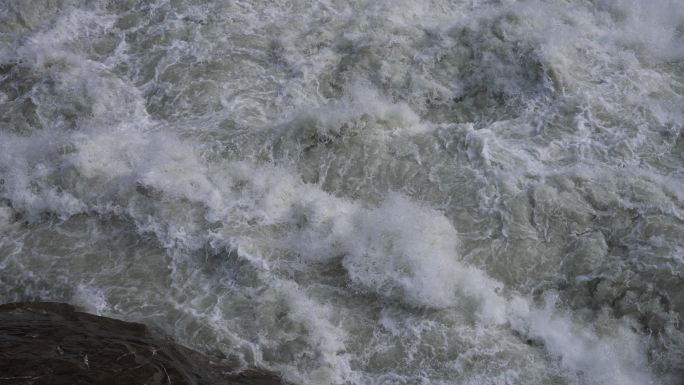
(53, 343)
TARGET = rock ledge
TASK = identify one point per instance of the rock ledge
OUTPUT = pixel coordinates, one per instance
(53, 343)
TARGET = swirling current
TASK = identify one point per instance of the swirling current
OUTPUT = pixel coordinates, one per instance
(356, 192)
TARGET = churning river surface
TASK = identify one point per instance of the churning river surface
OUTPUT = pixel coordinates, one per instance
(356, 192)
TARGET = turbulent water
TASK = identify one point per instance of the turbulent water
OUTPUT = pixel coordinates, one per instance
(356, 192)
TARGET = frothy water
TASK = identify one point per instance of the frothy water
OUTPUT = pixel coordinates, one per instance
(356, 192)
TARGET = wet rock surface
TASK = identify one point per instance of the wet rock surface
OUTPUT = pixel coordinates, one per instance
(53, 343)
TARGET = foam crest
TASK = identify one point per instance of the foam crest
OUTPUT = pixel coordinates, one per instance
(654, 26)
(410, 252)
(363, 110)
(604, 354)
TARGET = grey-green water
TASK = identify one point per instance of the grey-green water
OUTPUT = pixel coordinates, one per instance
(356, 192)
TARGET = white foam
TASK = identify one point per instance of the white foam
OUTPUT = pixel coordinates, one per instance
(651, 25)
(602, 353)
(363, 110)
(91, 298)
(410, 252)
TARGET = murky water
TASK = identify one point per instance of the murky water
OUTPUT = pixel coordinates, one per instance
(356, 192)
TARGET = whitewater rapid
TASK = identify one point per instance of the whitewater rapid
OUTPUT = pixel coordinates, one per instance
(356, 192)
